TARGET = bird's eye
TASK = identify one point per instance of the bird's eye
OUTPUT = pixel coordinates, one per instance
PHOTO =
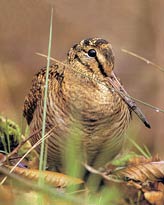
(92, 53)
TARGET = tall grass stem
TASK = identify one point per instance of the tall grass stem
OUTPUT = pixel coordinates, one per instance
(42, 153)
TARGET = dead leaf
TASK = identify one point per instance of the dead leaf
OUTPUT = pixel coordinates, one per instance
(155, 197)
(54, 179)
(143, 172)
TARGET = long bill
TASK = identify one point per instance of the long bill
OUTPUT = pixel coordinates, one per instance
(122, 92)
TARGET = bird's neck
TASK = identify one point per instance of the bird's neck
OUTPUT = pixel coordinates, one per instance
(79, 74)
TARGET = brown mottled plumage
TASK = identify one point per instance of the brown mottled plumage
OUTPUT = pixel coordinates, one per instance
(83, 95)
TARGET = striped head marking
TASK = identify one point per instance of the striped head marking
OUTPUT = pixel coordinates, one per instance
(95, 54)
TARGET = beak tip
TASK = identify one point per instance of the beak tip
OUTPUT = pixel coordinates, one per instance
(147, 124)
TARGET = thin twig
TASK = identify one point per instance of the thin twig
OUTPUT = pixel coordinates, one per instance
(143, 59)
(103, 175)
(51, 58)
(21, 144)
(157, 109)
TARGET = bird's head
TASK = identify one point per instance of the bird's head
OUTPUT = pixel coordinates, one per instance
(94, 56)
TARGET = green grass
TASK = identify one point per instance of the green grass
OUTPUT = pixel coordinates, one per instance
(143, 150)
(42, 160)
(43, 152)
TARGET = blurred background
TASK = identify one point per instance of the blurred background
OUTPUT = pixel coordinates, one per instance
(135, 25)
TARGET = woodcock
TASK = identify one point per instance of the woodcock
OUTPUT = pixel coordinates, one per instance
(84, 96)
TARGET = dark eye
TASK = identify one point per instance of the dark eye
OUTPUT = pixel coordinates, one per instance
(92, 53)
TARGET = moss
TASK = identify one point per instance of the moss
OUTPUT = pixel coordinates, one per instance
(9, 135)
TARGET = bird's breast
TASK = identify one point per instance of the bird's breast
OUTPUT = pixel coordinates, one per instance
(98, 116)
(94, 98)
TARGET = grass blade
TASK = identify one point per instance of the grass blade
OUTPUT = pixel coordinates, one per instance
(140, 149)
(143, 59)
(42, 157)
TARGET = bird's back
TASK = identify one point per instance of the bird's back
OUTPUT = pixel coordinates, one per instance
(36, 92)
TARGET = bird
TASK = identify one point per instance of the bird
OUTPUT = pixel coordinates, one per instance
(86, 99)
